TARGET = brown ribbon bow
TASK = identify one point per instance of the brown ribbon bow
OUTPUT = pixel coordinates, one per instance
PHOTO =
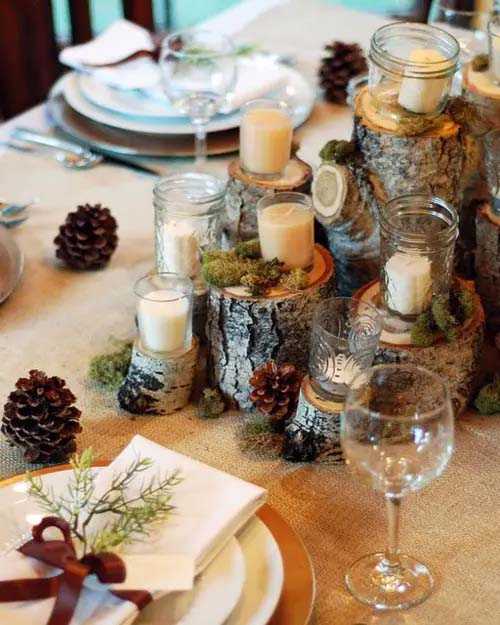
(66, 587)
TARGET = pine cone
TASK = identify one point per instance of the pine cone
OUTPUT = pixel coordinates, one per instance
(87, 239)
(40, 420)
(345, 60)
(276, 391)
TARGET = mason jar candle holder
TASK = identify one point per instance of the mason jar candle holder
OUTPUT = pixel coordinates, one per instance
(411, 69)
(164, 313)
(494, 48)
(266, 132)
(491, 145)
(345, 335)
(417, 239)
(286, 229)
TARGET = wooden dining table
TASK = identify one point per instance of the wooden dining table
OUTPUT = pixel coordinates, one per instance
(56, 319)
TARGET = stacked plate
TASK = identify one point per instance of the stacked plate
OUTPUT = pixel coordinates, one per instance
(142, 122)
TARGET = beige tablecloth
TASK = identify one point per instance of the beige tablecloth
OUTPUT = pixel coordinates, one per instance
(57, 319)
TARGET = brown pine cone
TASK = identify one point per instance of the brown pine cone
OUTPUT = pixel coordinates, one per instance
(87, 239)
(276, 391)
(345, 61)
(40, 420)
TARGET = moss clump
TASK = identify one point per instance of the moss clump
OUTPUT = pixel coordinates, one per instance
(295, 280)
(109, 370)
(480, 63)
(444, 320)
(211, 404)
(338, 151)
(412, 125)
(488, 398)
(422, 332)
(211, 255)
(224, 272)
(248, 249)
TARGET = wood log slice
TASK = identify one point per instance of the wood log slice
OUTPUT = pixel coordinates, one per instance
(314, 431)
(457, 361)
(480, 91)
(436, 161)
(243, 332)
(244, 191)
(487, 258)
(157, 385)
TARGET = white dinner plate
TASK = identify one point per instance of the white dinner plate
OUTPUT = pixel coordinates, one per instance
(297, 92)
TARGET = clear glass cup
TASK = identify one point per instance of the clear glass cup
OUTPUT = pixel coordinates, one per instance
(494, 48)
(417, 241)
(491, 146)
(286, 229)
(266, 131)
(198, 71)
(397, 436)
(164, 313)
(344, 337)
(411, 69)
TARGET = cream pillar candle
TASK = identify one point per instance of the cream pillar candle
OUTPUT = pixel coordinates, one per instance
(494, 48)
(286, 232)
(408, 283)
(180, 249)
(423, 95)
(265, 138)
(163, 317)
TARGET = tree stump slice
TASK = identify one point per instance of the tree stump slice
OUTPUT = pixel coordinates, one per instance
(457, 361)
(244, 191)
(434, 162)
(480, 91)
(243, 332)
(314, 432)
(487, 258)
(158, 385)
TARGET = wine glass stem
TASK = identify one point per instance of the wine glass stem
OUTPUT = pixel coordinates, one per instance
(392, 549)
(200, 144)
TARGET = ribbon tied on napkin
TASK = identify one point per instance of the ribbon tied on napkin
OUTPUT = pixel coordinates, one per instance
(66, 587)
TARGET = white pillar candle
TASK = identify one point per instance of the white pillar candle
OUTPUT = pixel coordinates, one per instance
(495, 52)
(163, 320)
(423, 95)
(286, 232)
(265, 140)
(180, 249)
(408, 283)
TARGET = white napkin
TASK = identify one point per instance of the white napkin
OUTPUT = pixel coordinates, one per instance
(211, 506)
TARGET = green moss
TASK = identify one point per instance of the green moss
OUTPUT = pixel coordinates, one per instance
(443, 318)
(211, 404)
(338, 151)
(488, 398)
(423, 330)
(248, 249)
(224, 272)
(109, 370)
(295, 280)
(462, 303)
(480, 63)
(211, 255)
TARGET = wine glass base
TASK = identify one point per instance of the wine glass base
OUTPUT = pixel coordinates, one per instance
(372, 582)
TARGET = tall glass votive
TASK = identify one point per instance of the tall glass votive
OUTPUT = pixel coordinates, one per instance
(411, 69)
(286, 229)
(417, 239)
(189, 210)
(494, 48)
(344, 338)
(491, 143)
(265, 137)
(164, 313)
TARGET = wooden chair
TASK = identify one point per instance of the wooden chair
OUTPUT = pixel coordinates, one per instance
(28, 47)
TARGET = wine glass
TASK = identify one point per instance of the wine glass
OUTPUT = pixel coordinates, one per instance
(397, 436)
(198, 70)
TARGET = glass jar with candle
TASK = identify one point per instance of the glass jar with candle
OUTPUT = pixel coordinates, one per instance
(417, 239)
(164, 313)
(494, 48)
(189, 210)
(266, 131)
(411, 69)
(286, 229)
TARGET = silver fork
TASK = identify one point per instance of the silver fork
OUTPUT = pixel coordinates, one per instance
(11, 214)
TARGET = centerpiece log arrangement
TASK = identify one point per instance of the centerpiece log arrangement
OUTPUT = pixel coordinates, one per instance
(482, 93)
(245, 330)
(487, 257)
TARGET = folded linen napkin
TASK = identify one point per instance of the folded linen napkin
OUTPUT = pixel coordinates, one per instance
(210, 507)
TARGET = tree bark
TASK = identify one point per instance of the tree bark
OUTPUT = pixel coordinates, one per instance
(488, 257)
(243, 332)
(480, 91)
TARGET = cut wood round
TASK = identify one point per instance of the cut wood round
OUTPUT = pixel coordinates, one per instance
(243, 332)
(244, 191)
(480, 91)
(436, 161)
(456, 361)
(487, 259)
(314, 431)
(157, 385)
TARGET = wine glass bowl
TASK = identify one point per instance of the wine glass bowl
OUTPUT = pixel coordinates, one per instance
(397, 436)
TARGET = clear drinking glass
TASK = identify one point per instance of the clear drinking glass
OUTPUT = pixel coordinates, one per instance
(198, 70)
(491, 144)
(494, 48)
(344, 338)
(397, 436)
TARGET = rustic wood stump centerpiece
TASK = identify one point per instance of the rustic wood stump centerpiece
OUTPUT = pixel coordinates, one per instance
(487, 258)
(483, 94)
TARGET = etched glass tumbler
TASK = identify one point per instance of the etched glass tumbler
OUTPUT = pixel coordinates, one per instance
(345, 336)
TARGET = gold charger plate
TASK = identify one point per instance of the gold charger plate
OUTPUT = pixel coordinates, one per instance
(299, 588)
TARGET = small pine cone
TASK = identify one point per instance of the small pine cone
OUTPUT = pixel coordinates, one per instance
(40, 420)
(275, 391)
(345, 61)
(87, 239)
